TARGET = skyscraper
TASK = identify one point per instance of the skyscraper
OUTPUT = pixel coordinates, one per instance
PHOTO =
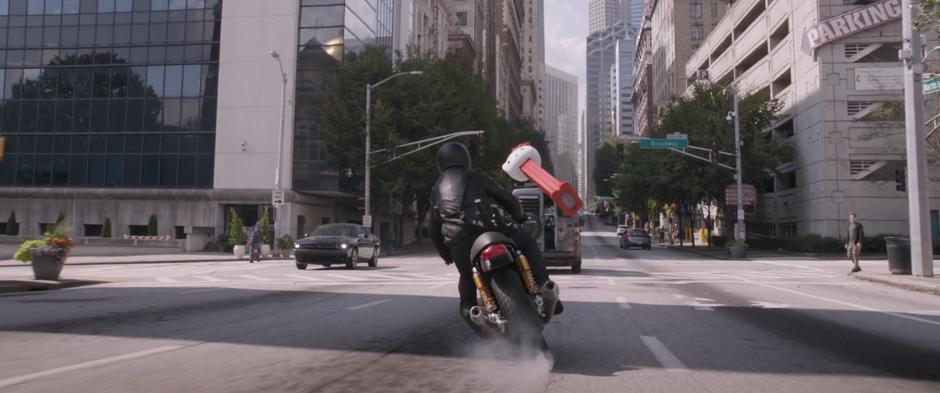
(603, 80)
(603, 14)
(561, 121)
(533, 59)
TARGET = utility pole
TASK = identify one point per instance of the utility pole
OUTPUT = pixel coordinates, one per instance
(739, 224)
(917, 189)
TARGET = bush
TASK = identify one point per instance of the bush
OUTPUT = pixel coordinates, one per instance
(236, 230)
(285, 242)
(12, 226)
(815, 244)
(266, 233)
(765, 243)
(152, 225)
(106, 228)
(60, 220)
(718, 241)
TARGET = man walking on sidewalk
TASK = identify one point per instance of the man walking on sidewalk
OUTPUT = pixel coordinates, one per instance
(854, 246)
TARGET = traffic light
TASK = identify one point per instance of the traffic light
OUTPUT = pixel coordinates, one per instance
(3, 146)
(900, 180)
(713, 153)
(361, 203)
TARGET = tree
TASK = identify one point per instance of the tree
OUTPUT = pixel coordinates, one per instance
(236, 229)
(106, 228)
(444, 99)
(267, 234)
(605, 165)
(152, 225)
(668, 177)
(60, 219)
(12, 228)
(928, 15)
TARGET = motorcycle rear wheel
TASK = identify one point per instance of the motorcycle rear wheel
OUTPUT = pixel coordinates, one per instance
(524, 326)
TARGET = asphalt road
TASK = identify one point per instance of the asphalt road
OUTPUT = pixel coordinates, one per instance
(637, 321)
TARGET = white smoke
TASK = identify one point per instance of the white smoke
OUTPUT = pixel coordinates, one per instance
(504, 367)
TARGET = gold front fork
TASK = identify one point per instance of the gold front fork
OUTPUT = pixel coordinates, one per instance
(527, 275)
(488, 302)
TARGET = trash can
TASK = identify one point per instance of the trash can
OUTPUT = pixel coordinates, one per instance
(899, 254)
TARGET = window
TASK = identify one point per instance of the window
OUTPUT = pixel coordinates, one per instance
(92, 230)
(462, 18)
(698, 31)
(714, 9)
(695, 10)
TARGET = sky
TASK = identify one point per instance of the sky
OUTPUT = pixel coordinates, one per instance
(566, 31)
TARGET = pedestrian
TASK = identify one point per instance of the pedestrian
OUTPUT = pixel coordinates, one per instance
(854, 247)
(662, 235)
(254, 243)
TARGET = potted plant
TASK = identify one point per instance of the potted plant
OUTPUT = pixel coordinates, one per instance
(284, 245)
(236, 235)
(47, 256)
(737, 249)
(266, 233)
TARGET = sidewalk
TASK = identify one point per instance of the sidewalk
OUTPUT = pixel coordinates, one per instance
(754, 253)
(137, 259)
(929, 285)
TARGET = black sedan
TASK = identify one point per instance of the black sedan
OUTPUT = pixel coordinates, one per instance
(330, 244)
(635, 238)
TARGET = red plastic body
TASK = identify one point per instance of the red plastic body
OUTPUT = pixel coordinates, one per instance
(562, 193)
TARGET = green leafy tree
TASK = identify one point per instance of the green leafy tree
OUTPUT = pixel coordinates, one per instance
(605, 165)
(106, 228)
(236, 229)
(152, 225)
(444, 99)
(60, 219)
(12, 228)
(668, 177)
(266, 233)
(928, 15)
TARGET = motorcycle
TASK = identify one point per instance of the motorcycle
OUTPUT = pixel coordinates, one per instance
(512, 304)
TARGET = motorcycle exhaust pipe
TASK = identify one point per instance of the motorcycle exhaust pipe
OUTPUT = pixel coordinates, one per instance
(549, 292)
(478, 317)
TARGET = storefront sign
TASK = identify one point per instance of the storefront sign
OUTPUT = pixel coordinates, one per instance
(849, 23)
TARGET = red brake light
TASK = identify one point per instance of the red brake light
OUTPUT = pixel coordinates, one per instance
(493, 251)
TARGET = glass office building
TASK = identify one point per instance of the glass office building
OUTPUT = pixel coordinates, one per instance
(328, 30)
(109, 93)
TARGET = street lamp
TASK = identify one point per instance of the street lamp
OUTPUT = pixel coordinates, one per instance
(280, 145)
(367, 217)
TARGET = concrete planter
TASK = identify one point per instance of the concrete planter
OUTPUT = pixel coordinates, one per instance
(238, 251)
(45, 267)
(737, 252)
(266, 250)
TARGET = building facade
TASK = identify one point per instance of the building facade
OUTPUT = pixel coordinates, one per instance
(533, 59)
(561, 122)
(603, 14)
(678, 28)
(840, 107)
(423, 26)
(126, 109)
(507, 53)
(642, 96)
(603, 91)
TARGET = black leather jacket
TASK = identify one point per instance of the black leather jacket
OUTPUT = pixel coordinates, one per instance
(454, 202)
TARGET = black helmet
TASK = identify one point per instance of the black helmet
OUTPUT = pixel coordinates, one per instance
(453, 154)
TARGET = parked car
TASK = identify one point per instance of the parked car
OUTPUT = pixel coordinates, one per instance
(635, 238)
(329, 244)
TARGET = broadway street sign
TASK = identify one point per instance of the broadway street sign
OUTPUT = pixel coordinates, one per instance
(651, 143)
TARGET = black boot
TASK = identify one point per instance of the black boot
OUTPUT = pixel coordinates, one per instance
(559, 308)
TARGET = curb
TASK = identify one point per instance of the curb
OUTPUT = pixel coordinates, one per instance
(32, 286)
(909, 287)
(142, 262)
(696, 252)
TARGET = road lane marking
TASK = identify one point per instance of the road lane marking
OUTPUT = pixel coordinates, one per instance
(302, 277)
(422, 276)
(610, 281)
(89, 364)
(792, 265)
(623, 303)
(435, 286)
(342, 277)
(369, 304)
(209, 278)
(252, 277)
(853, 305)
(665, 357)
(166, 280)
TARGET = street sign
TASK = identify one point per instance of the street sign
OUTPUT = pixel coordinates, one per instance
(367, 221)
(931, 83)
(658, 143)
(731, 194)
(277, 197)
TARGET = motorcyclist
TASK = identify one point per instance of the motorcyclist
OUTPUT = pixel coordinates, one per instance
(457, 200)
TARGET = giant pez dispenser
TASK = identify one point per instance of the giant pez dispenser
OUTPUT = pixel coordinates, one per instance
(524, 163)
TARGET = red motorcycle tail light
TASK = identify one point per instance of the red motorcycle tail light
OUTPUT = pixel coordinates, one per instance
(493, 251)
